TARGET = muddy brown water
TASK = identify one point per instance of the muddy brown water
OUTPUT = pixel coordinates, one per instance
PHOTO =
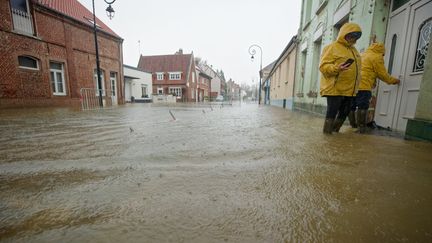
(231, 174)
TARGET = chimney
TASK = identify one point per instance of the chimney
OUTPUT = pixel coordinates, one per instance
(179, 52)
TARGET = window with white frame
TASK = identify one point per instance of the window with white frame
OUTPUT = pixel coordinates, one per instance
(143, 90)
(28, 62)
(160, 76)
(175, 91)
(102, 74)
(160, 91)
(175, 76)
(57, 78)
(113, 79)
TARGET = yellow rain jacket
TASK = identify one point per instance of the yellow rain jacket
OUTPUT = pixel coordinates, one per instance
(373, 67)
(333, 81)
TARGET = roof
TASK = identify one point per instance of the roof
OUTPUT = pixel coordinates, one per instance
(269, 67)
(135, 68)
(286, 51)
(202, 73)
(75, 10)
(166, 63)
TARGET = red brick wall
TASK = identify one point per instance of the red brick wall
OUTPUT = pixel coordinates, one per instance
(57, 39)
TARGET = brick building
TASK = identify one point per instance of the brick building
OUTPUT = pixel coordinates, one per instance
(48, 54)
(203, 85)
(172, 74)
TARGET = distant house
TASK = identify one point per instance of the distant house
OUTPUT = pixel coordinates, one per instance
(172, 74)
(138, 84)
(203, 85)
(217, 87)
(232, 90)
(48, 54)
(265, 85)
(282, 77)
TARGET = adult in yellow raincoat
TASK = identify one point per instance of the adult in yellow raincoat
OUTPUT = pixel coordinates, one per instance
(340, 74)
(371, 69)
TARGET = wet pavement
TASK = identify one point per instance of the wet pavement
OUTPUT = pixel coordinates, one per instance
(216, 174)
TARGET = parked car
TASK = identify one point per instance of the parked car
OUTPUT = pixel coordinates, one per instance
(219, 98)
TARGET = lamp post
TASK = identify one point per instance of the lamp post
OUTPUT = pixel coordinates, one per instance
(110, 13)
(252, 52)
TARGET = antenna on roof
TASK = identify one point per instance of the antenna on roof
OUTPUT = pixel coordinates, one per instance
(139, 47)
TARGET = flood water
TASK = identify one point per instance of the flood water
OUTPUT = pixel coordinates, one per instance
(216, 174)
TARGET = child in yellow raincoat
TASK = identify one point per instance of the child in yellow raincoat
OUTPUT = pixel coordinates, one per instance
(372, 68)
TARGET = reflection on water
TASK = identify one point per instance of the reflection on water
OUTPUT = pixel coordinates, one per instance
(232, 173)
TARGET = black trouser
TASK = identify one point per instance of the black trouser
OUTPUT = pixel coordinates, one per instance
(338, 107)
(362, 100)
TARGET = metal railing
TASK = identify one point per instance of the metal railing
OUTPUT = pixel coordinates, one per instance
(90, 98)
(22, 21)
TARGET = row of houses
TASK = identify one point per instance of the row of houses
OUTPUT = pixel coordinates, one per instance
(292, 81)
(183, 76)
(49, 59)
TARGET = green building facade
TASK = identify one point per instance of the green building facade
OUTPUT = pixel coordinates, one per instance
(319, 26)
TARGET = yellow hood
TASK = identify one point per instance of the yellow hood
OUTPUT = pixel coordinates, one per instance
(378, 48)
(345, 29)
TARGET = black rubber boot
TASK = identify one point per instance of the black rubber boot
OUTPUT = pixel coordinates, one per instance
(352, 119)
(361, 120)
(337, 124)
(328, 126)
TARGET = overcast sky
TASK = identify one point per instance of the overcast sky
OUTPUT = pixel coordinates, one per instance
(219, 31)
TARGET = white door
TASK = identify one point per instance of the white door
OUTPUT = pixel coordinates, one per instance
(113, 81)
(406, 31)
(128, 90)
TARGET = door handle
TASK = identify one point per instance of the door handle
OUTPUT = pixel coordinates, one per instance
(400, 77)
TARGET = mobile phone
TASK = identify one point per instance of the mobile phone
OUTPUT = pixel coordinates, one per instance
(348, 62)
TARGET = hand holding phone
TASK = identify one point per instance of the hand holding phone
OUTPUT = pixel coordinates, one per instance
(346, 64)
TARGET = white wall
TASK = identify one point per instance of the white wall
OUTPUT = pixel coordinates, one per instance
(133, 87)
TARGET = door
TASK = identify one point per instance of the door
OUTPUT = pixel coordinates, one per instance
(407, 28)
(113, 81)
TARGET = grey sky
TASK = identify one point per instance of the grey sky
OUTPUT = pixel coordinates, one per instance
(219, 31)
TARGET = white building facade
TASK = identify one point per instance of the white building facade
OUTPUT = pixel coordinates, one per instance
(138, 84)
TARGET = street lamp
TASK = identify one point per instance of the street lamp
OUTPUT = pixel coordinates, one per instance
(252, 52)
(110, 13)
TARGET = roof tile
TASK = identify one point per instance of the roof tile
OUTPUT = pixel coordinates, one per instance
(75, 10)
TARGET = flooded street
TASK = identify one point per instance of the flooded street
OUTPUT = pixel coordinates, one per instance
(232, 173)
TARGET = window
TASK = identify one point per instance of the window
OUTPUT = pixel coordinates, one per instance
(337, 27)
(160, 91)
(22, 19)
(160, 76)
(307, 11)
(303, 69)
(392, 53)
(102, 74)
(193, 93)
(175, 91)
(113, 79)
(28, 62)
(144, 91)
(19, 5)
(175, 76)
(422, 45)
(398, 3)
(57, 78)
(316, 60)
